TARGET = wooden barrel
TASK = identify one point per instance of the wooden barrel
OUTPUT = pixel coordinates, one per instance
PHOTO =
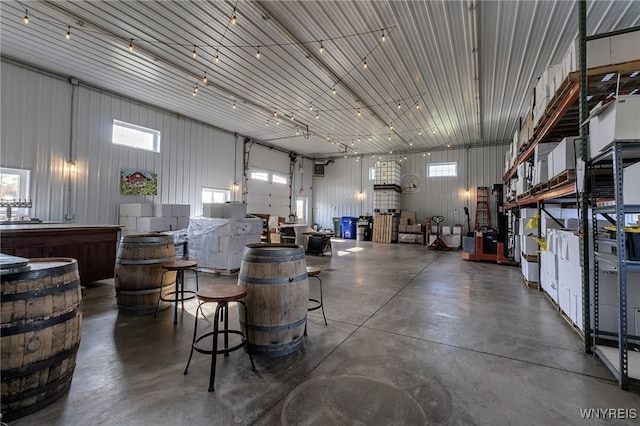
(138, 272)
(275, 276)
(40, 333)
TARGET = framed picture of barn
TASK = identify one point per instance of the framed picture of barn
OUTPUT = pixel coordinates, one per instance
(137, 182)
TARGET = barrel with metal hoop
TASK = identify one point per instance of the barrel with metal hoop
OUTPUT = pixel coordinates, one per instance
(275, 276)
(40, 333)
(138, 272)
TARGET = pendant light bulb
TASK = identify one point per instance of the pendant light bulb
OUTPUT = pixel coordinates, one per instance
(234, 105)
(131, 45)
(275, 112)
(310, 107)
(417, 105)
(359, 113)
(277, 122)
(317, 116)
(297, 131)
(419, 132)
(383, 38)
(234, 19)
(334, 90)
(217, 58)
(26, 16)
(204, 78)
(321, 47)
(267, 123)
(399, 106)
(258, 53)
(369, 138)
(389, 137)
(194, 54)
(68, 35)
(365, 63)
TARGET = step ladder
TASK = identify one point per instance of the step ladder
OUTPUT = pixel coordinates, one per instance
(482, 209)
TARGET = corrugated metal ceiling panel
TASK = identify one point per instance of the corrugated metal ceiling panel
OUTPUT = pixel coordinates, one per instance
(427, 59)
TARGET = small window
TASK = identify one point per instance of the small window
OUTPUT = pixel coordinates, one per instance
(372, 173)
(14, 186)
(279, 179)
(442, 169)
(213, 195)
(135, 136)
(258, 175)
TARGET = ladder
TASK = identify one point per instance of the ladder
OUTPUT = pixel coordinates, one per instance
(482, 209)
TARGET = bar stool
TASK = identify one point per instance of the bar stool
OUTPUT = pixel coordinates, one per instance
(222, 295)
(313, 271)
(179, 266)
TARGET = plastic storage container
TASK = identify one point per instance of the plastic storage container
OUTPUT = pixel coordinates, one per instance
(348, 227)
(336, 226)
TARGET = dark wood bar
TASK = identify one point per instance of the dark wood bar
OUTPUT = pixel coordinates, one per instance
(94, 246)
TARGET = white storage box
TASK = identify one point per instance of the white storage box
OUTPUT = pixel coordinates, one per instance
(128, 222)
(163, 210)
(170, 223)
(529, 270)
(136, 209)
(183, 222)
(564, 156)
(529, 245)
(150, 224)
(630, 193)
(179, 210)
(617, 121)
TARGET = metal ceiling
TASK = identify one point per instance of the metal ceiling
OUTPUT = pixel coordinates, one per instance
(452, 73)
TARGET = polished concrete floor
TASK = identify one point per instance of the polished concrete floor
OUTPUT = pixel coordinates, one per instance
(413, 337)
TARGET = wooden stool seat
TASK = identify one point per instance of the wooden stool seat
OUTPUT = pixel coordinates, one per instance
(221, 293)
(179, 265)
(180, 294)
(313, 271)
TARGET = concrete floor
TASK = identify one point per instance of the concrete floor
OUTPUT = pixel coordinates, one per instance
(414, 337)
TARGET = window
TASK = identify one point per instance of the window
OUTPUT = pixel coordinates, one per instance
(213, 195)
(372, 173)
(259, 175)
(442, 169)
(14, 185)
(135, 136)
(279, 179)
(301, 209)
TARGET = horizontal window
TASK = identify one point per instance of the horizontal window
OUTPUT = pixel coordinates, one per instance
(135, 136)
(442, 169)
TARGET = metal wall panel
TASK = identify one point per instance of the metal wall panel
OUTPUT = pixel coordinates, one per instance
(336, 193)
(192, 154)
(35, 135)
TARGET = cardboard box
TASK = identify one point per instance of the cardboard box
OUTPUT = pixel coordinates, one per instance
(224, 210)
(163, 210)
(617, 120)
(128, 222)
(183, 222)
(414, 228)
(274, 238)
(529, 245)
(402, 227)
(564, 156)
(452, 241)
(446, 230)
(625, 47)
(540, 172)
(409, 215)
(136, 209)
(598, 52)
(170, 223)
(457, 230)
(404, 221)
(529, 270)
(150, 224)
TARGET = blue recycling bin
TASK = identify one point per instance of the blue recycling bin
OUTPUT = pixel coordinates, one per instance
(348, 227)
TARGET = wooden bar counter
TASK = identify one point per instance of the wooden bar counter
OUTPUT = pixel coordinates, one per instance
(94, 246)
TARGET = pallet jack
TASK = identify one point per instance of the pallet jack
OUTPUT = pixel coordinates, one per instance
(487, 244)
(438, 243)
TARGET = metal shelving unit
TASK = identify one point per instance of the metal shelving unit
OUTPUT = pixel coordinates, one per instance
(613, 348)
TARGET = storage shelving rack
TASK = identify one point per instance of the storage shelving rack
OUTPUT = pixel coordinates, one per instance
(613, 348)
(562, 118)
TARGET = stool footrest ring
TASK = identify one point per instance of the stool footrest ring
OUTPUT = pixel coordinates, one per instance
(220, 351)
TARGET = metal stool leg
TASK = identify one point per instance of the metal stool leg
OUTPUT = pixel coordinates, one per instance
(246, 337)
(226, 328)
(160, 295)
(322, 301)
(195, 334)
(214, 349)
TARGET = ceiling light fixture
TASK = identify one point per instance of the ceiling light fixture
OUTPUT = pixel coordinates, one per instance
(258, 53)
(131, 45)
(383, 38)
(217, 58)
(321, 47)
(234, 19)
(334, 89)
(204, 78)
(234, 105)
(317, 116)
(194, 54)
(26, 16)
(365, 63)
(359, 113)
(68, 35)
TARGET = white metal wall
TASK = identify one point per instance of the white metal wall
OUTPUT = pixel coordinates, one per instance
(336, 194)
(36, 134)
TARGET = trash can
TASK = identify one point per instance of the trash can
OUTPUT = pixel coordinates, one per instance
(336, 227)
(365, 228)
(348, 227)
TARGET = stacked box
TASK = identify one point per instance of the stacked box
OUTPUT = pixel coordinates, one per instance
(615, 121)
(218, 244)
(147, 217)
(224, 210)
(562, 157)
